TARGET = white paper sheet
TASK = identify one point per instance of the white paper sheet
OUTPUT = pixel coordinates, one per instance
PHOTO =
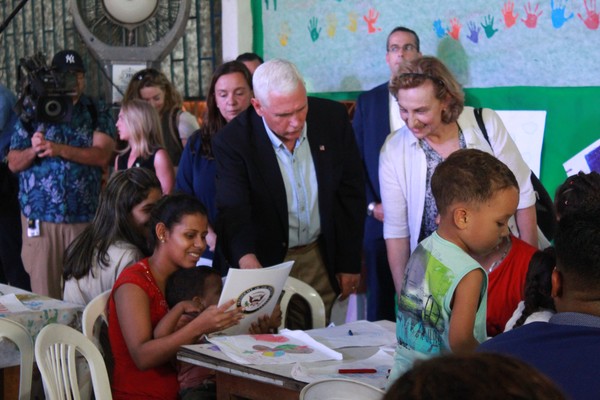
(354, 334)
(286, 347)
(380, 361)
(9, 303)
(526, 128)
(257, 290)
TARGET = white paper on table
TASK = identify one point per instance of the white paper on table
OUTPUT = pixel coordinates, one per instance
(587, 160)
(286, 347)
(9, 303)
(380, 361)
(339, 311)
(256, 290)
(364, 334)
(526, 128)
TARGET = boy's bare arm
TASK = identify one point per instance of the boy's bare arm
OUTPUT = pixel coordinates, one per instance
(175, 318)
(464, 306)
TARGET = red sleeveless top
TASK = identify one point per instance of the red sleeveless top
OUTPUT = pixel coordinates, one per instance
(128, 382)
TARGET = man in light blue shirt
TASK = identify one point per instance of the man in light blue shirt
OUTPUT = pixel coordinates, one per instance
(290, 185)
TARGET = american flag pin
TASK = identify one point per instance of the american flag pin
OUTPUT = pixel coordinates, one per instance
(322, 148)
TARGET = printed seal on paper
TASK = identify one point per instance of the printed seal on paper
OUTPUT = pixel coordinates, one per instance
(255, 298)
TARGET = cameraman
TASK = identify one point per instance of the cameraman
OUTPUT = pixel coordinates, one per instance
(60, 171)
(11, 266)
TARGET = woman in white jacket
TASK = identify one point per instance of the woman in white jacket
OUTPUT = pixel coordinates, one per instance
(431, 104)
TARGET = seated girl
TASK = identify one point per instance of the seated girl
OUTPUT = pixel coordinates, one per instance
(144, 367)
(202, 286)
(116, 237)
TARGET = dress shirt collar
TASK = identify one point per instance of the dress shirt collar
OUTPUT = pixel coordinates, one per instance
(277, 143)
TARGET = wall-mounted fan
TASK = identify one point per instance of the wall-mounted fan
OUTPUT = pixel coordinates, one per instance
(136, 32)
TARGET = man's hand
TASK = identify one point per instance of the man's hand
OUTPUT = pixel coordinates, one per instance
(378, 212)
(249, 261)
(348, 284)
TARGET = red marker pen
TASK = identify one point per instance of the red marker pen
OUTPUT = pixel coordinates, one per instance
(357, 371)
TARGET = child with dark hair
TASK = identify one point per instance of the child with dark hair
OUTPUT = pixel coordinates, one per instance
(474, 376)
(202, 287)
(443, 298)
(537, 304)
(577, 190)
(143, 362)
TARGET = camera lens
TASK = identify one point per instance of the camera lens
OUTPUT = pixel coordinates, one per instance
(53, 108)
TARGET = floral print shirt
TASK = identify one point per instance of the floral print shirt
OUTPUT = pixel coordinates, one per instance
(56, 190)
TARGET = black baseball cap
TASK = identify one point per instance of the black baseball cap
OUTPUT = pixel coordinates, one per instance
(68, 60)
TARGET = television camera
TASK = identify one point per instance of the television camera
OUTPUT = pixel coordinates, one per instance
(45, 95)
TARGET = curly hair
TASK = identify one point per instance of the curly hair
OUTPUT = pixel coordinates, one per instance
(469, 175)
(577, 191)
(413, 74)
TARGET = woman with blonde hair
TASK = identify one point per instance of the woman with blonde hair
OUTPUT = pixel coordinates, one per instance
(177, 125)
(139, 126)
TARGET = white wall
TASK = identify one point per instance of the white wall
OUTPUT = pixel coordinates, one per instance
(236, 18)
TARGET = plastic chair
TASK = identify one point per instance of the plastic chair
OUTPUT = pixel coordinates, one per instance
(340, 389)
(17, 333)
(94, 310)
(56, 350)
(317, 307)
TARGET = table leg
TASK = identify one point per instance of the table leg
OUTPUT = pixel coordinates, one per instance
(230, 387)
(10, 382)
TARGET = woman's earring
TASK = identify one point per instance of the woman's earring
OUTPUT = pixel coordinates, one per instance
(162, 239)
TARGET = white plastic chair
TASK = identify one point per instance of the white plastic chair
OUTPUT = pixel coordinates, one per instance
(317, 307)
(56, 350)
(94, 310)
(17, 333)
(340, 389)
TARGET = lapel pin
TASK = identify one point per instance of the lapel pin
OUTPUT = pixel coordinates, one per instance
(321, 147)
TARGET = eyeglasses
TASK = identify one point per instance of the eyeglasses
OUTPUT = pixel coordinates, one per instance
(407, 48)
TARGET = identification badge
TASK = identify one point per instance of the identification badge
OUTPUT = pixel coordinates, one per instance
(33, 227)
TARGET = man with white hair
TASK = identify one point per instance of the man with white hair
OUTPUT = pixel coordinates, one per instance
(290, 185)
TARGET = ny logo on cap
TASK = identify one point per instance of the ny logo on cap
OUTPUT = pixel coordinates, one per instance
(70, 59)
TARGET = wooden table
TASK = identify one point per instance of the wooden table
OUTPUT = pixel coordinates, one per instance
(41, 312)
(258, 382)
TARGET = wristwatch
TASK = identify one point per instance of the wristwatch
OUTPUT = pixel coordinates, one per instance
(371, 208)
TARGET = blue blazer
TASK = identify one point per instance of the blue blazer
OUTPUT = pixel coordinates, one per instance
(252, 214)
(371, 126)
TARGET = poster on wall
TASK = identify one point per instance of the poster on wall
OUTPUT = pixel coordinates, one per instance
(340, 45)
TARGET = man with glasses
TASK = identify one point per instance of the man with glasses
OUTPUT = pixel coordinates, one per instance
(60, 169)
(377, 114)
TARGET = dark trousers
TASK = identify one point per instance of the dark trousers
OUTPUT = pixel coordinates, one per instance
(380, 285)
(11, 266)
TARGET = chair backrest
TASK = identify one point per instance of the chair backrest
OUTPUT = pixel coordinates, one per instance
(317, 308)
(17, 333)
(340, 389)
(56, 349)
(94, 310)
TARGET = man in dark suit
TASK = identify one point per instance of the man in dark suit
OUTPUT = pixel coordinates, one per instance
(290, 185)
(377, 115)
